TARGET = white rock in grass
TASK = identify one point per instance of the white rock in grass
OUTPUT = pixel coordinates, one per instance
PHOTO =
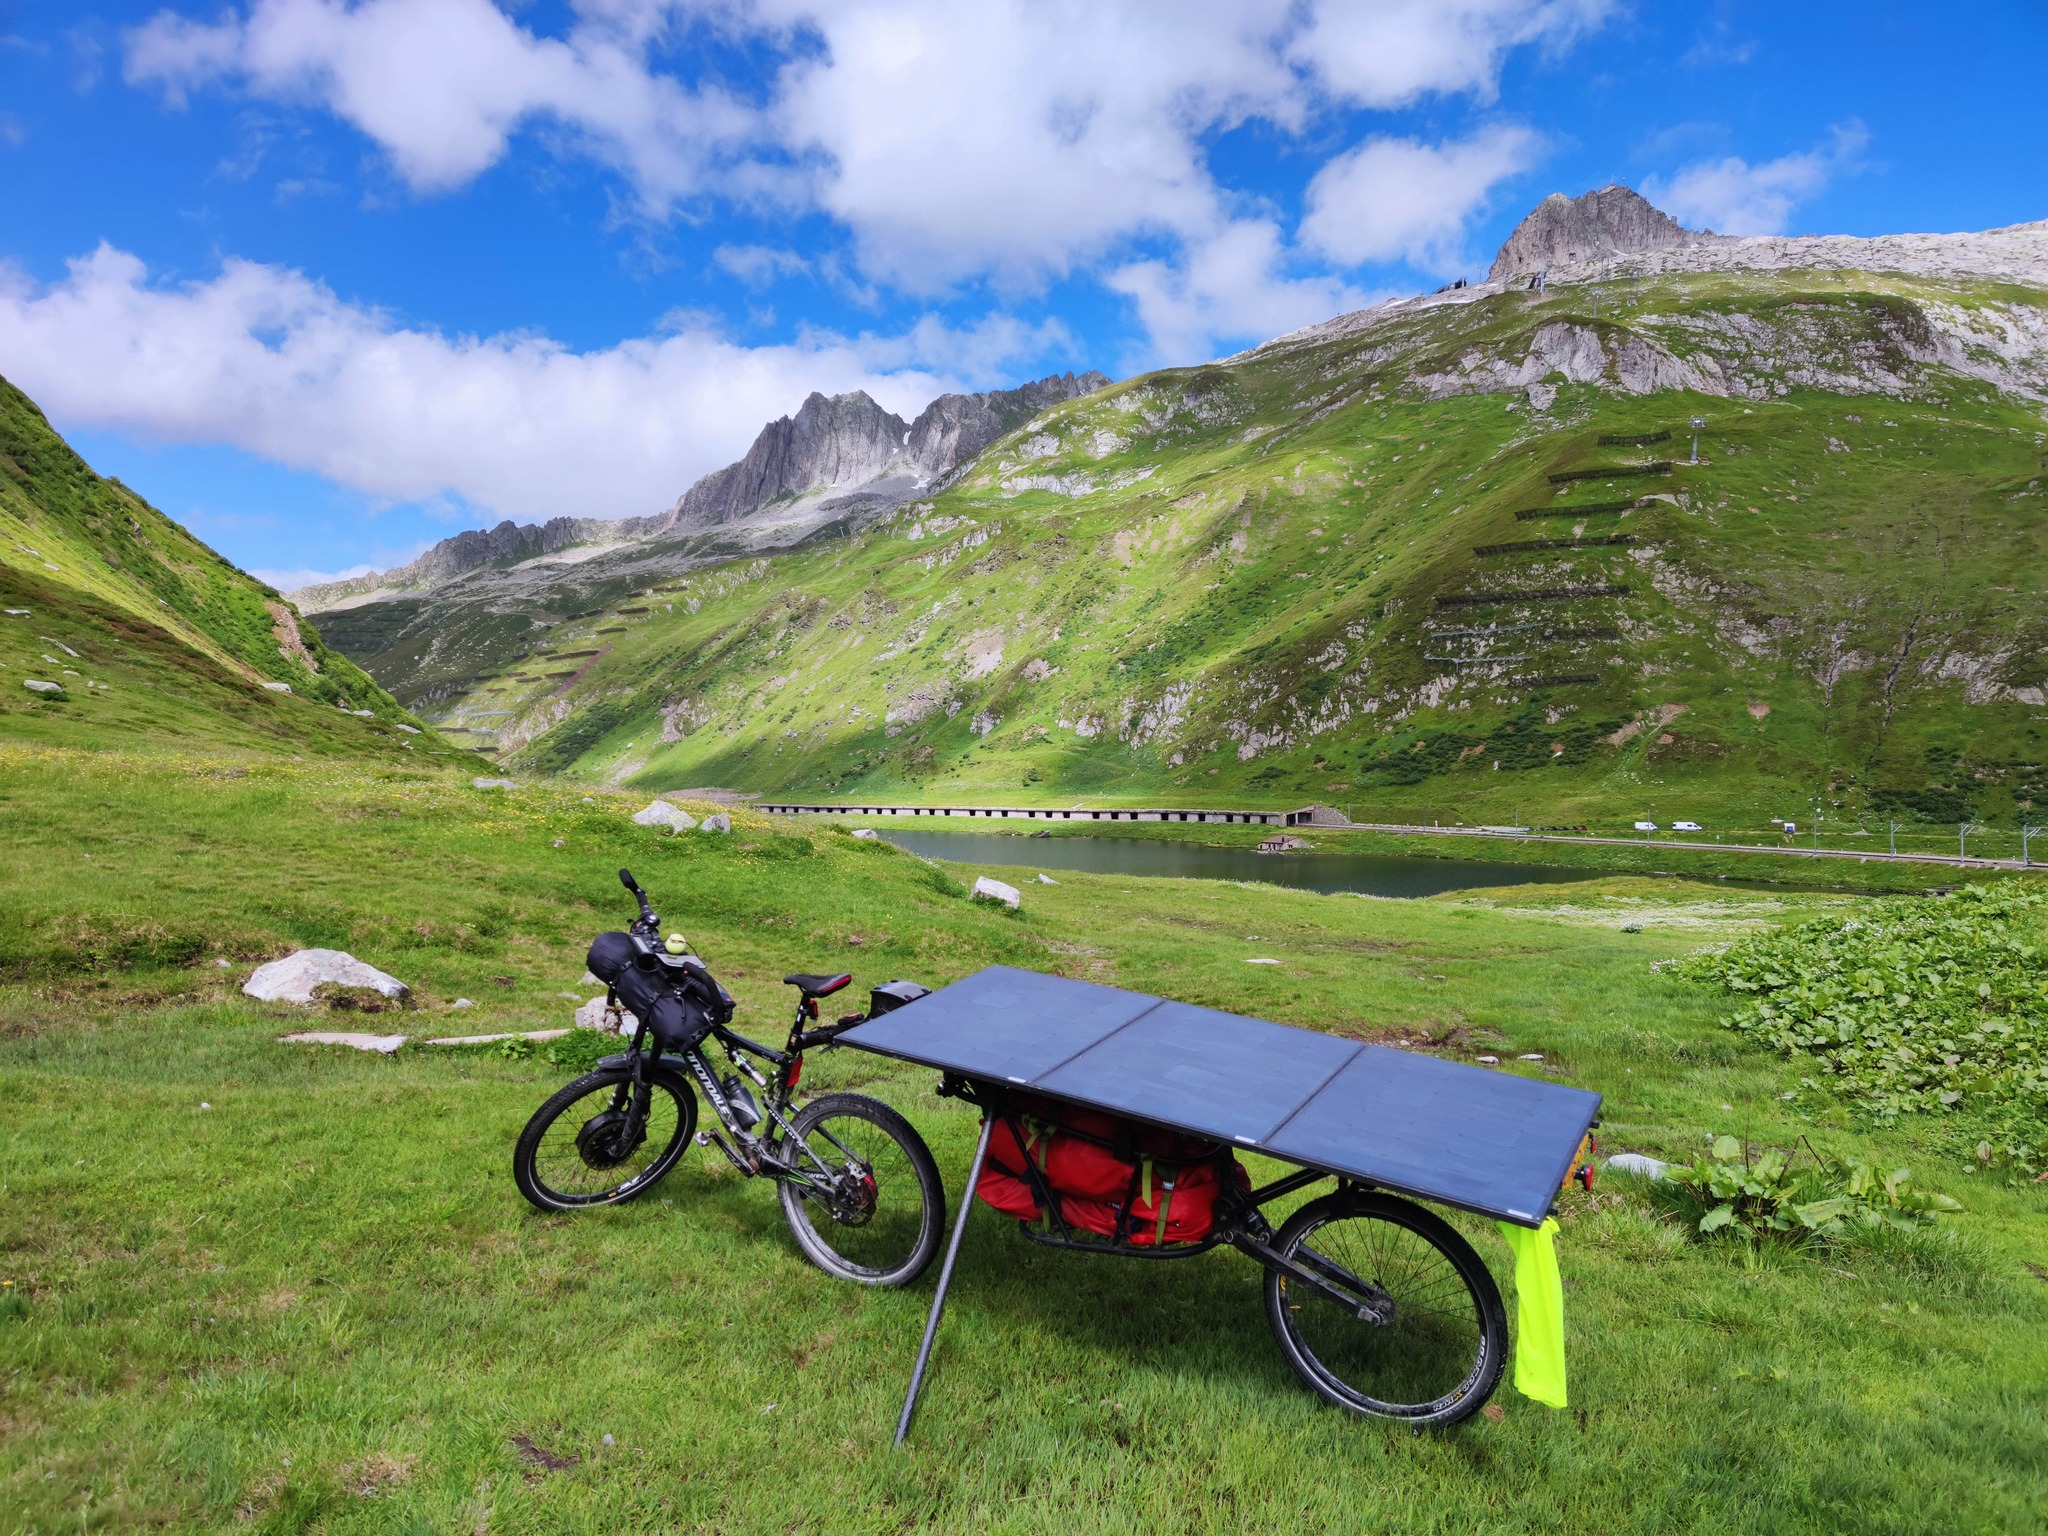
(383, 1045)
(1638, 1164)
(996, 890)
(463, 1002)
(38, 685)
(1261, 960)
(660, 813)
(865, 832)
(292, 979)
(492, 784)
(717, 821)
(592, 1016)
(1047, 880)
(277, 687)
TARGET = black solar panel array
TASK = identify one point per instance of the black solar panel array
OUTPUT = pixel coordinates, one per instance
(1490, 1142)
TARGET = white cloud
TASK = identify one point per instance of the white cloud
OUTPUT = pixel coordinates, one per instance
(1013, 138)
(1398, 198)
(1229, 287)
(1386, 53)
(758, 265)
(1737, 198)
(265, 360)
(442, 85)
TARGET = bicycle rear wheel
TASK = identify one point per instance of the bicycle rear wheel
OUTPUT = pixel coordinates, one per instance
(873, 1211)
(583, 1147)
(1434, 1338)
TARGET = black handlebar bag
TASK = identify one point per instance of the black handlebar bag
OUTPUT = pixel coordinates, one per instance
(666, 1004)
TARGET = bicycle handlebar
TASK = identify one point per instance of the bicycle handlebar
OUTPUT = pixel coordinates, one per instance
(646, 911)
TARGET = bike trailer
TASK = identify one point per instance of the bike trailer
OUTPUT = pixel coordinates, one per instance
(1081, 1084)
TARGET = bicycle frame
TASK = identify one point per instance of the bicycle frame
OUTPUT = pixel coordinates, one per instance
(753, 1155)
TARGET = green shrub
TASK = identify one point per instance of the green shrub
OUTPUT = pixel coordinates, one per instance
(580, 1050)
(1767, 1197)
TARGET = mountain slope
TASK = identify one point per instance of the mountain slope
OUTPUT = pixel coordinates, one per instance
(482, 601)
(148, 631)
(1434, 559)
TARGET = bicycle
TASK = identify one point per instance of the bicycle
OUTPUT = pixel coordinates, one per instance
(858, 1186)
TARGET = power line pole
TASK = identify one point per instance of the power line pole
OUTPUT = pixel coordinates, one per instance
(1895, 836)
(1697, 423)
(2028, 831)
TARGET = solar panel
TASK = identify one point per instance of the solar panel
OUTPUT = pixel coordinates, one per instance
(1490, 1142)
(1216, 1073)
(1008, 1025)
(1487, 1141)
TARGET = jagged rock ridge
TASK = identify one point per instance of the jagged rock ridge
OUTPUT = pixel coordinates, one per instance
(1613, 221)
(839, 455)
(843, 441)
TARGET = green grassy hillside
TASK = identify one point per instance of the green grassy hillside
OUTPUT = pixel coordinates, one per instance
(1346, 567)
(150, 634)
(247, 1285)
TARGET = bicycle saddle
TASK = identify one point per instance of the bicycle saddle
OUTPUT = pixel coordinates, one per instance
(818, 986)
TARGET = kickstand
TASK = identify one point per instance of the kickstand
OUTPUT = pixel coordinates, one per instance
(931, 1327)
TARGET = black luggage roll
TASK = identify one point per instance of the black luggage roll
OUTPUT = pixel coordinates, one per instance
(610, 955)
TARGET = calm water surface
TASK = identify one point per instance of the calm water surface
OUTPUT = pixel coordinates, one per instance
(1371, 874)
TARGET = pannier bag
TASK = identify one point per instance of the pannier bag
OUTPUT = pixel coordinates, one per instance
(1105, 1176)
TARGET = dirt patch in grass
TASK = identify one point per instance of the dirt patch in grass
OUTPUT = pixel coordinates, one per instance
(540, 1458)
(376, 1475)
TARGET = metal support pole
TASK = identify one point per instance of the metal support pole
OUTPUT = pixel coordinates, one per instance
(931, 1327)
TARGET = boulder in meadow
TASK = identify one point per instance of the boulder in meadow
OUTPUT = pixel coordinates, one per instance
(294, 978)
(660, 813)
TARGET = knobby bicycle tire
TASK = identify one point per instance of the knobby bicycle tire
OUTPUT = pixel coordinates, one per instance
(542, 1164)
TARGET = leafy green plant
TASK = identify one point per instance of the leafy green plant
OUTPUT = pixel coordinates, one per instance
(1916, 1006)
(1766, 1196)
(580, 1049)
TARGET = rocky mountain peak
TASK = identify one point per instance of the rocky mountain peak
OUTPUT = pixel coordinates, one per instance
(1613, 221)
(844, 442)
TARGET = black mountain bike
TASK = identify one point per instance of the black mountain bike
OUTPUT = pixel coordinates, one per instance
(859, 1188)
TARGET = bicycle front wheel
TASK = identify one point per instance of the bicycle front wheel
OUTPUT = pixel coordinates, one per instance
(1419, 1333)
(592, 1144)
(868, 1205)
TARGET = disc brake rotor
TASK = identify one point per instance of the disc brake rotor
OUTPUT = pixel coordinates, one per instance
(854, 1197)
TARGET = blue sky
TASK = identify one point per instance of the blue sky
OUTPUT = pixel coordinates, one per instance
(331, 279)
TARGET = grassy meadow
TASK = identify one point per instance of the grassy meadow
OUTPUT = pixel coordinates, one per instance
(252, 1286)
